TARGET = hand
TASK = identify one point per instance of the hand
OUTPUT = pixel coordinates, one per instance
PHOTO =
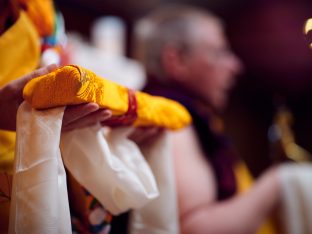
(145, 135)
(11, 96)
(78, 116)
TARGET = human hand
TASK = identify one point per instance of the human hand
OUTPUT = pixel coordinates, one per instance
(78, 116)
(11, 96)
(83, 115)
(145, 135)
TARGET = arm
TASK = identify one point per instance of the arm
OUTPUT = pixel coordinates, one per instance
(199, 210)
(11, 96)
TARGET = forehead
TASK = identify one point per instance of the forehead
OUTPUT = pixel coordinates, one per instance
(207, 31)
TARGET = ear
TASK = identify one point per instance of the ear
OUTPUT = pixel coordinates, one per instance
(173, 63)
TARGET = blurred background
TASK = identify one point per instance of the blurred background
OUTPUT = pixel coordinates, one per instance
(267, 36)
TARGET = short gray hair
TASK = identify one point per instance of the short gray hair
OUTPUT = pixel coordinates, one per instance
(167, 25)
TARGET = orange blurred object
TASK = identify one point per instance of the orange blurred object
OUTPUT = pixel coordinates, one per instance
(42, 14)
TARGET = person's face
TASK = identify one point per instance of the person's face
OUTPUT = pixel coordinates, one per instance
(210, 66)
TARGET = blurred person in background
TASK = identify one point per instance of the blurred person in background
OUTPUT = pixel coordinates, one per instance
(187, 58)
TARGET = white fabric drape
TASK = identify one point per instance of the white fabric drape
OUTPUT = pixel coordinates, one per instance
(108, 165)
(39, 202)
(159, 216)
(296, 206)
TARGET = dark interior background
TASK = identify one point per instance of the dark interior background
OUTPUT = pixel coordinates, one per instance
(268, 37)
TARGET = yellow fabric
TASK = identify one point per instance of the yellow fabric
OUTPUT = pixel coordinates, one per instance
(159, 111)
(42, 14)
(74, 85)
(244, 179)
(20, 50)
(244, 182)
(20, 53)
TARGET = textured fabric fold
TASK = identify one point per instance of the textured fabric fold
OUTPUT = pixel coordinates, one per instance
(39, 197)
(109, 166)
(159, 216)
(70, 85)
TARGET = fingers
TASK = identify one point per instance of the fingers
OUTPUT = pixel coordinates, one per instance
(15, 87)
(11, 96)
(83, 116)
(72, 113)
(89, 120)
(40, 72)
(145, 135)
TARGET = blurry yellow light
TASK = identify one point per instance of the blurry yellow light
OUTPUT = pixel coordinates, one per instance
(308, 26)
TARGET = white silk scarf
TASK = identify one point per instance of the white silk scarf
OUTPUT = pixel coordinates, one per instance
(108, 165)
(296, 205)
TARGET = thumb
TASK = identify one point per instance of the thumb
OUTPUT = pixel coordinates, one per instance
(39, 72)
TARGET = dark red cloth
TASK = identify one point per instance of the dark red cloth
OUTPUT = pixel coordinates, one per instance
(129, 117)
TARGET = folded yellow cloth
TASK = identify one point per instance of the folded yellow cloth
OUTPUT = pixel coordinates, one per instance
(70, 85)
(245, 180)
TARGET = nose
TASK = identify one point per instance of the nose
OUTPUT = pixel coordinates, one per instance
(235, 64)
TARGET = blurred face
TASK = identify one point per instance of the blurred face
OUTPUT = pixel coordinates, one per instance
(210, 66)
